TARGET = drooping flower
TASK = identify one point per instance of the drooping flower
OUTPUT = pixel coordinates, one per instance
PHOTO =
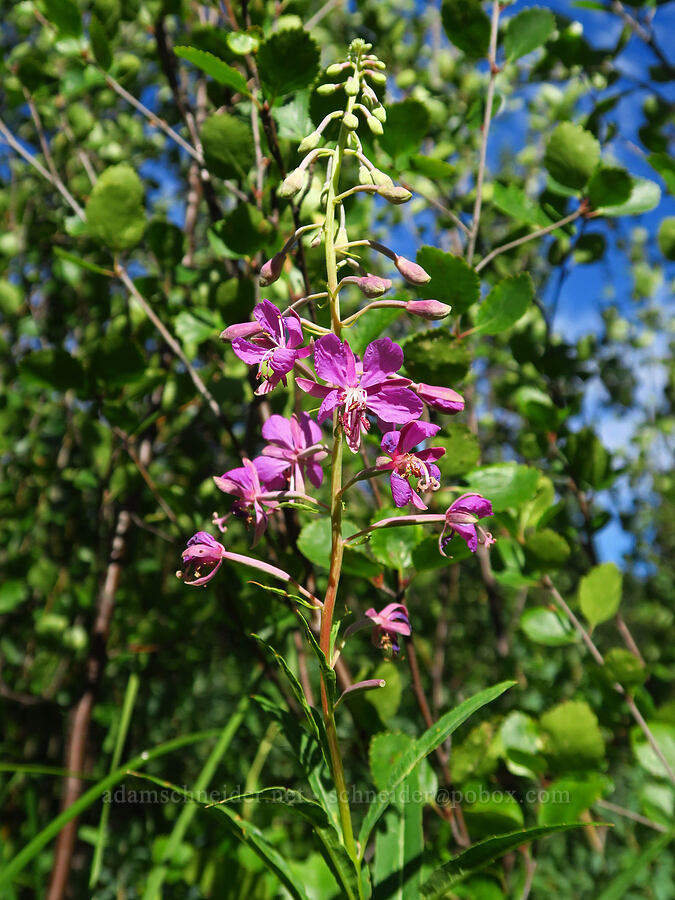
(390, 622)
(462, 518)
(248, 483)
(293, 442)
(202, 558)
(356, 390)
(442, 399)
(405, 462)
(274, 347)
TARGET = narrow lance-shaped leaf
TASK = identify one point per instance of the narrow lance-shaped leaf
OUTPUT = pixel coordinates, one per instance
(216, 68)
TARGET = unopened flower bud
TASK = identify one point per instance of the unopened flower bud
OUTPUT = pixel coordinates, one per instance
(411, 271)
(271, 270)
(364, 175)
(341, 238)
(326, 89)
(292, 184)
(376, 77)
(373, 286)
(394, 193)
(428, 309)
(350, 121)
(375, 125)
(352, 86)
(381, 178)
(380, 113)
(310, 142)
(443, 399)
(335, 69)
(240, 330)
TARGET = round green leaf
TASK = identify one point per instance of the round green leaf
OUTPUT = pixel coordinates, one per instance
(65, 15)
(528, 30)
(573, 740)
(245, 230)
(664, 735)
(228, 146)
(565, 800)
(462, 450)
(600, 593)
(666, 237)
(505, 304)
(623, 666)
(645, 195)
(52, 368)
(506, 485)
(665, 166)
(407, 123)
(546, 550)
(546, 626)
(572, 154)
(609, 187)
(393, 547)
(467, 26)
(453, 281)
(115, 211)
(287, 61)
(434, 356)
(314, 541)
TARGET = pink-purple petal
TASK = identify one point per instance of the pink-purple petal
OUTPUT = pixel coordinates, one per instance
(400, 490)
(248, 352)
(396, 405)
(382, 357)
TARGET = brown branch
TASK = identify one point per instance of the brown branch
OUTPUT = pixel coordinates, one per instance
(541, 232)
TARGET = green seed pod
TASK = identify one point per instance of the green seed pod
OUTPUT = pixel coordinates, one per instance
(326, 89)
(380, 113)
(310, 142)
(375, 125)
(352, 85)
(350, 121)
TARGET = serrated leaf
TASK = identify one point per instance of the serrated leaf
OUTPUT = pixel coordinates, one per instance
(600, 593)
(513, 201)
(507, 302)
(467, 26)
(546, 626)
(435, 356)
(407, 124)
(453, 281)
(216, 68)
(609, 187)
(528, 30)
(228, 146)
(115, 211)
(645, 195)
(287, 61)
(572, 154)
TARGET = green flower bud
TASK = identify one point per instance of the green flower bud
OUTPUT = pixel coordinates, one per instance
(292, 184)
(380, 113)
(352, 85)
(327, 89)
(334, 69)
(364, 175)
(310, 142)
(375, 125)
(381, 178)
(376, 77)
(394, 194)
(350, 121)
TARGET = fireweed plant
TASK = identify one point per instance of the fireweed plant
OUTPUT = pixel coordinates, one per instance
(356, 396)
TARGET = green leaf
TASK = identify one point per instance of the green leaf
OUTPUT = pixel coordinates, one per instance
(546, 549)
(665, 166)
(528, 30)
(513, 201)
(52, 368)
(118, 361)
(572, 154)
(453, 281)
(287, 61)
(216, 68)
(422, 747)
(393, 547)
(623, 666)
(488, 812)
(228, 146)
(480, 856)
(314, 541)
(115, 211)
(507, 302)
(386, 700)
(573, 740)
(81, 263)
(546, 626)
(370, 327)
(327, 673)
(65, 15)
(645, 195)
(194, 327)
(521, 742)
(589, 461)
(462, 449)
(664, 735)
(600, 593)
(99, 43)
(666, 237)
(566, 799)
(475, 756)
(506, 485)
(435, 356)
(13, 592)
(167, 242)
(630, 871)
(467, 26)
(11, 297)
(244, 230)
(431, 167)
(609, 187)
(242, 43)
(407, 124)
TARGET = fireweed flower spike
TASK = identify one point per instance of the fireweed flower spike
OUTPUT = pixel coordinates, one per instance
(291, 443)
(275, 347)
(405, 462)
(248, 483)
(462, 517)
(390, 622)
(375, 389)
(201, 559)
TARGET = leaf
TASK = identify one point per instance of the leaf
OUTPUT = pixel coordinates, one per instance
(99, 43)
(664, 735)
(453, 281)
(245, 230)
(645, 195)
(196, 326)
(387, 700)
(426, 554)
(573, 740)
(507, 302)
(609, 187)
(117, 361)
(631, 871)
(528, 30)
(167, 242)
(393, 547)
(287, 61)
(216, 68)
(513, 201)
(475, 756)
(623, 666)
(666, 237)
(546, 549)
(546, 626)
(242, 43)
(488, 812)
(566, 799)
(65, 15)
(521, 743)
(431, 167)
(572, 154)
(327, 673)
(407, 124)
(467, 26)
(369, 328)
(228, 146)
(13, 592)
(589, 461)
(506, 485)
(422, 747)
(462, 450)
(600, 593)
(435, 356)
(314, 541)
(52, 368)
(81, 263)
(481, 855)
(115, 211)
(665, 166)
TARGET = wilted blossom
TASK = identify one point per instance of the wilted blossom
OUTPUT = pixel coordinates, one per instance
(292, 443)
(248, 483)
(274, 347)
(405, 462)
(462, 518)
(201, 559)
(442, 399)
(356, 389)
(390, 622)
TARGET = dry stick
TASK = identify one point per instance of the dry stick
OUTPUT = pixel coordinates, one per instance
(81, 717)
(432, 201)
(530, 237)
(598, 657)
(641, 32)
(321, 13)
(37, 121)
(492, 59)
(629, 814)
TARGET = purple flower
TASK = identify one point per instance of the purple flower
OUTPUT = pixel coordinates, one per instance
(405, 462)
(390, 622)
(292, 442)
(201, 559)
(461, 519)
(275, 347)
(443, 399)
(356, 390)
(249, 483)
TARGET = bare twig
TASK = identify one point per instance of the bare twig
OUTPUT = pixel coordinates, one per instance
(530, 237)
(321, 13)
(629, 814)
(433, 201)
